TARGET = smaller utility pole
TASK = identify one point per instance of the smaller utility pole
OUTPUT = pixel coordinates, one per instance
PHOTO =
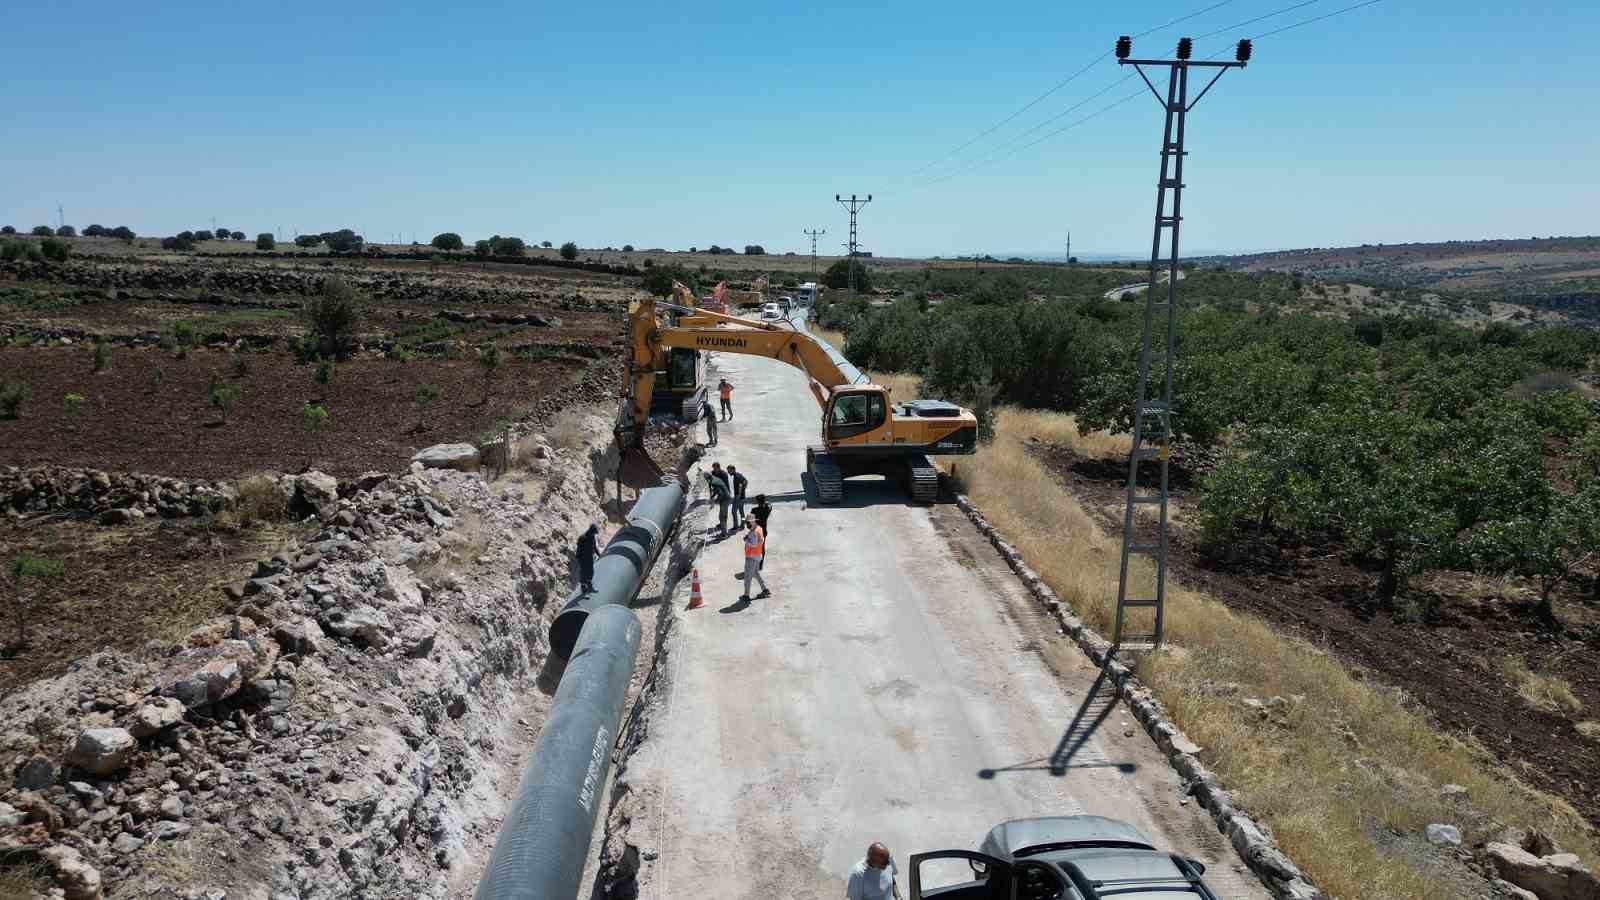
(854, 204)
(814, 235)
(1069, 248)
(61, 217)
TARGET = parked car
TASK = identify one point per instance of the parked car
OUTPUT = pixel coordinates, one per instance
(771, 311)
(1058, 858)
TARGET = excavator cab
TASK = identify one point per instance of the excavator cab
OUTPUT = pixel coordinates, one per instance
(854, 414)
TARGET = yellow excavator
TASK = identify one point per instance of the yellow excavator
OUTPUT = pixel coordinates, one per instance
(863, 431)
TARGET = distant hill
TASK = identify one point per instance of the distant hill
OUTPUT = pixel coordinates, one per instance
(1559, 275)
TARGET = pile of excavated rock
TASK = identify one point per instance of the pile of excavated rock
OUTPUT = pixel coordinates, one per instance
(120, 497)
(332, 735)
(1531, 866)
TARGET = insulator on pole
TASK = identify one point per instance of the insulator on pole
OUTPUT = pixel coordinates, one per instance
(1185, 48)
(1124, 47)
(1242, 54)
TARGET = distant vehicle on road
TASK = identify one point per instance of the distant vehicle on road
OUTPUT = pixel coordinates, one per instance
(771, 311)
(1058, 858)
(807, 294)
(786, 303)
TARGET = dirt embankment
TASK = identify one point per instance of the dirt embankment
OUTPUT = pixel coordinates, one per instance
(353, 727)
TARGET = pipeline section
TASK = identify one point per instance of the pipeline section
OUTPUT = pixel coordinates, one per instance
(544, 840)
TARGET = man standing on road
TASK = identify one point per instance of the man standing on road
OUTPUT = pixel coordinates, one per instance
(753, 551)
(873, 877)
(726, 390)
(587, 548)
(711, 422)
(721, 493)
(760, 512)
(739, 484)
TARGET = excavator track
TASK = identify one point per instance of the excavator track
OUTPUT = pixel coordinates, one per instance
(923, 479)
(826, 475)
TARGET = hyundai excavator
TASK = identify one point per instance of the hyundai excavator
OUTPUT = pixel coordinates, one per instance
(863, 431)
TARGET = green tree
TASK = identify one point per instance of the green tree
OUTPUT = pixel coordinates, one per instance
(94, 231)
(265, 241)
(754, 250)
(482, 248)
(43, 231)
(8, 229)
(508, 246)
(1551, 536)
(184, 338)
(25, 569)
(569, 251)
(102, 356)
(237, 235)
(333, 316)
(307, 240)
(447, 241)
(54, 249)
(122, 233)
(12, 395)
(838, 275)
(627, 248)
(323, 376)
(314, 422)
(204, 235)
(223, 395)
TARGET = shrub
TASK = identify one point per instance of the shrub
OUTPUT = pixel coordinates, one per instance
(203, 235)
(260, 500)
(12, 395)
(490, 360)
(94, 231)
(66, 231)
(754, 250)
(237, 235)
(10, 251)
(426, 396)
(183, 337)
(448, 241)
(43, 231)
(122, 233)
(28, 568)
(102, 356)
(342, 241)
(8, 229)
(307, 240)
(265, 241)
(74, 404)
(223, 395)
(314, 423)
(569, 251)
(54, 249)
(333, 315)
(627, 248)
(241, 364)
(482, 248)
(182, 242)
(323, 375)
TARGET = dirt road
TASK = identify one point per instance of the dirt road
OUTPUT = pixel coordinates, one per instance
(897, 686)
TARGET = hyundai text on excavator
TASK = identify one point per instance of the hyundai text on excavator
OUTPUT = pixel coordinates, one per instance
(863, 431)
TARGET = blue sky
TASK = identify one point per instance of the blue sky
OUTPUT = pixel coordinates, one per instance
(676, 124)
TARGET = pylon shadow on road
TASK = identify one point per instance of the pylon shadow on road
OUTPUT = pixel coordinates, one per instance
(1097, 706)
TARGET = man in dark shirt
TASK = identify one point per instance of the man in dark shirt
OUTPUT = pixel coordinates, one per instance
(587, 548)
(739, 484)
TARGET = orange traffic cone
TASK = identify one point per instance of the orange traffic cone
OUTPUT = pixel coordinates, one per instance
(695, 600)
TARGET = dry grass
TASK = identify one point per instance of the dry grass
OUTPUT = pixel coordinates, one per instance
(1345, 759)
(260, 500)
(1590, 729)
(24, 882)
(1539, 691)
(836, 338)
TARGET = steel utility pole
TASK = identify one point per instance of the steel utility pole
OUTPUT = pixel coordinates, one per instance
(814, 235)
(854, 204)
(1152, 416)
(1069, 248)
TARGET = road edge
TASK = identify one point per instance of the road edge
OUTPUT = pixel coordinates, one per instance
(1259, 852)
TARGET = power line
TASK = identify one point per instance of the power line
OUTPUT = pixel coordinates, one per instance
(1063, 83)
(1012, 149)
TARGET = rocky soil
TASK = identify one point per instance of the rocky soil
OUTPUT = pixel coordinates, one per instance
(345, 731)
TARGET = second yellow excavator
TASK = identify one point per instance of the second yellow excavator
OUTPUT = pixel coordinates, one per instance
(863, 431)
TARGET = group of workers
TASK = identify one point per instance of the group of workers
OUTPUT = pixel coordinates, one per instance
(728, 488)
(725, 392)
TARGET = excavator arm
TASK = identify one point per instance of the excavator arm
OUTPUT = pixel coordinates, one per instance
(702, 329)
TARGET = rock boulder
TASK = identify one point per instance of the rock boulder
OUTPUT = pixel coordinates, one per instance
(462, 457)
(101, 751)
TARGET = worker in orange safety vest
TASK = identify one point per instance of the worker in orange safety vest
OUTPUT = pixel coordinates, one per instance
(755, 545)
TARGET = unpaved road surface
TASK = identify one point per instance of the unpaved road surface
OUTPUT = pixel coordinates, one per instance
(898, 686)
(1117, 293)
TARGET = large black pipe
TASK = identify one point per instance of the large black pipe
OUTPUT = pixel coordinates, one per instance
(620, 570)
(544, 840)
